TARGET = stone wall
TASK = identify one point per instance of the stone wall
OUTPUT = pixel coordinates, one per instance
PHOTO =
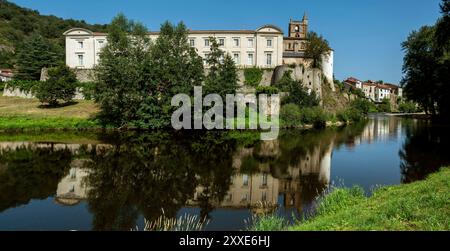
(83, 75)
(16, 92)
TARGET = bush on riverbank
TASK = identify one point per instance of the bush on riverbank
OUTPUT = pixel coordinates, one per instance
(292, 115)
(422, 205)
(60, 86)
(407, 107)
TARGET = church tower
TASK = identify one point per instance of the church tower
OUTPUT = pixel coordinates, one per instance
(298, 29)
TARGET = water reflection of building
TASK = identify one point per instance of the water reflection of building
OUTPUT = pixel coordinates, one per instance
(300, 183)
(72, 188)
(380, 128)
(297, 183)
(307, 179)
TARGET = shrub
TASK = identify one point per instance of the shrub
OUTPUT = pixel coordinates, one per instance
(253, 76)
(25, 86)
(290, 115)
(350, 115)
(314, 115)
(407, 107)
(87, 89)
(363, 105)
(385, 106)
(297, 93)
(269, 90)
(61, 85)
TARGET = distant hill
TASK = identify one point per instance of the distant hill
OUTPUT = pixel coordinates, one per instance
(17, 23)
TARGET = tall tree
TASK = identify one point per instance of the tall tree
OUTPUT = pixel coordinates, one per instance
(33, 55)
(316, 49)
(122, 73)
(419, 67)
(222, 75)
(138, 78)
(174, 68)
(427, 65)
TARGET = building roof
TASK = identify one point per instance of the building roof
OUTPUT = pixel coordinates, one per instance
(352, 80)
(393, 86)
(276, 30)
(384, 86)
(368, 84)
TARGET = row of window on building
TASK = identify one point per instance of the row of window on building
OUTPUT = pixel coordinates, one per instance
(236, 55)
(221, 42)
(236, 58)
(236, 42)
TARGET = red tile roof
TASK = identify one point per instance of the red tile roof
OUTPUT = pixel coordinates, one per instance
(352, 80)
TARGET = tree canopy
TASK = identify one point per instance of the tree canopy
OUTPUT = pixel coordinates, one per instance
(426, 66)
(138, 78)
(316, 48)
(34, 54)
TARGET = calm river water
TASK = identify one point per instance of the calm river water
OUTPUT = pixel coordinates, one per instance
(95, 181)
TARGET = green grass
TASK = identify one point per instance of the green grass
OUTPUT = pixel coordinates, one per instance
(269, 223)
(420, 206)
(29, 114)
(29, 123)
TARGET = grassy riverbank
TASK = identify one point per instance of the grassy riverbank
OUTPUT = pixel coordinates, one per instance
(28, 114)
(423, 205)
(22, 114)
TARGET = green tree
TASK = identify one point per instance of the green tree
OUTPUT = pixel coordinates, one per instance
(316, 48)
(385, 105)
(419, 68)
(61, 85)
(123, 73)
(33, 55)
(426, 66)
(6, 59)
(137, 78)
(175, 67)
(222, 76)
(298, 94)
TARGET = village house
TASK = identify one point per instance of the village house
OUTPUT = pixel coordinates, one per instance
(264, 47)
(6, 75)
(374, 91)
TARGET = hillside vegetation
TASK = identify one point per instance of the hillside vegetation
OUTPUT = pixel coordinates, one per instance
(17, 24)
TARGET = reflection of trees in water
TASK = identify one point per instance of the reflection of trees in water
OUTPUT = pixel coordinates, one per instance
(146, 175)
(134, 174)
(28, 173)
(426, 150)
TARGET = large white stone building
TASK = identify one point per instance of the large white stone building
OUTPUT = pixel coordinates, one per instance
(264, 47)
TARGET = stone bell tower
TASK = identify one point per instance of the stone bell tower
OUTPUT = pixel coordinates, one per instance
(298, 29)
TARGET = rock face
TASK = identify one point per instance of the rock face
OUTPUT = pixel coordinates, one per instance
(311, 79)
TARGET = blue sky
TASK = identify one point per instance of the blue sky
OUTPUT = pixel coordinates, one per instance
(365, 34)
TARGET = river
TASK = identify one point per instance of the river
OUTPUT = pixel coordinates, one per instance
(112, 181)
